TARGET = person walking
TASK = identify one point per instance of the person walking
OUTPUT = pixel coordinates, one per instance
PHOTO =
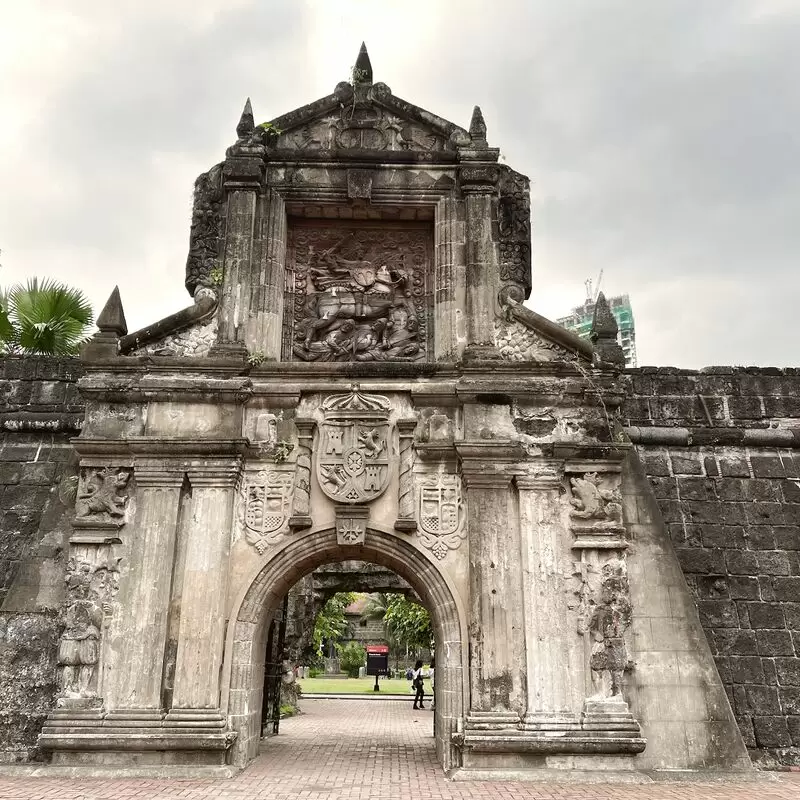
(418, 685)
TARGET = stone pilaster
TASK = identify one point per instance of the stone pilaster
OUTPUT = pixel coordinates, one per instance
(267, 281)
(482, 272)
(449, 279)
(406, 519)
(195, 699)
(242, 184)
(144, 595)
(301, 502)
(548, 633)
(497, 668)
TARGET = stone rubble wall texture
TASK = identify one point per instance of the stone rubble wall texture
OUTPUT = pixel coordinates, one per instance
(195, 341)
(733, 515)
(39, 413)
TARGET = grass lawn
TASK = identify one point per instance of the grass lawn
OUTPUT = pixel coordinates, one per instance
(356, 685)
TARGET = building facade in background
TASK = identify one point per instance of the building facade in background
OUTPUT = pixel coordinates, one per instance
(580, 322)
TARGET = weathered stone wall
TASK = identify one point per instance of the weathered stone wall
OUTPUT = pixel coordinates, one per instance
(717, 445)
(39, 412)
(720, 449)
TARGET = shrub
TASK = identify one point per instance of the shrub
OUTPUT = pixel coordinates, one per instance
(352, 656)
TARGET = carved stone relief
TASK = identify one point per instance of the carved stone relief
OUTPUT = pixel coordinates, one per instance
(91, 587)
(605, 613)
(516, 342)
(596, 503)
(207, 229)
(514, 227)
(354, 447)
(362, 127)
(357, 293)
(102, 496)
(441, 513)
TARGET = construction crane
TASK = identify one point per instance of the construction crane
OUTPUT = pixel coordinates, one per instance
(591, 296)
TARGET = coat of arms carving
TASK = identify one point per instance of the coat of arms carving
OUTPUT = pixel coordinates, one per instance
(266, 500)
(353, 454)
(441, 513)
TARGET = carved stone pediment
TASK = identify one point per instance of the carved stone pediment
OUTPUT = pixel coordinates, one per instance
(371, 119)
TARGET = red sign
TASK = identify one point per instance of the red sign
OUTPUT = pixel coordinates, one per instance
(378, 648)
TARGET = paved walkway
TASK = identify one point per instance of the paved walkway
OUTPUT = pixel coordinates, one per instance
(363, 750)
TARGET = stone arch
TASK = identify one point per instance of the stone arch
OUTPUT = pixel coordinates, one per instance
(246, 641)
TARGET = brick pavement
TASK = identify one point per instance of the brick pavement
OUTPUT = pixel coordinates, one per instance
(359, 749)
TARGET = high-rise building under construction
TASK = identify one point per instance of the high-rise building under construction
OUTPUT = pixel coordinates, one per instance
(580, 322)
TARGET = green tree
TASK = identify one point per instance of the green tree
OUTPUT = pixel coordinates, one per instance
(352, 656)
(330, 624)
(43, 318)
(407, 624)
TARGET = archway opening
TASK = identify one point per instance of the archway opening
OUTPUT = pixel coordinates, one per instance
(264, 594)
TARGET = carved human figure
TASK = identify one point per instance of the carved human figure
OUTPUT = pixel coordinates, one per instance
(610, 617)
(78, 649)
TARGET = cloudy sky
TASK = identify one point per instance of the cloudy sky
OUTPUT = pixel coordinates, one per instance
(662, 138)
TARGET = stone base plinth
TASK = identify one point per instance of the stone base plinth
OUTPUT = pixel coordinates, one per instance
(136, 738)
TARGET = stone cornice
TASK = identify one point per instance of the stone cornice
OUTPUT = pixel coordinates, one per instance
(168, 448)
(181, 388)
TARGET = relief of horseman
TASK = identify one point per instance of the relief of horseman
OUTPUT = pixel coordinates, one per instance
(353, 289)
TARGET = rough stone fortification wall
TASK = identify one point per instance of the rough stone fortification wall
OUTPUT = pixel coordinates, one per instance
(39, 412)
(720, 449)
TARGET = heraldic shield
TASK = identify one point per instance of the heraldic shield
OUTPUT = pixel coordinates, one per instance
(353, 455)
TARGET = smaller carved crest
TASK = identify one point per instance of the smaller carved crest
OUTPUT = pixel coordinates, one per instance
(441, 513)
(267, 504)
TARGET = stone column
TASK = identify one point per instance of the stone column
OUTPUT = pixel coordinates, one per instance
(301, 502)
(267, 281)
(497, 667)
(205, 584)
(548, 633)
(144, 595)
(482, 275)
(406, 518)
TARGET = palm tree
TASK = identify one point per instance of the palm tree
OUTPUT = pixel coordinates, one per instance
(43, 318)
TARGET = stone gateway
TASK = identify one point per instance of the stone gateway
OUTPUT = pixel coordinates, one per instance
(357, 379)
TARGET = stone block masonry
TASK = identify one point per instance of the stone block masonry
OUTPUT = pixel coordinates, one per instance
(720, 449)
(39, 412)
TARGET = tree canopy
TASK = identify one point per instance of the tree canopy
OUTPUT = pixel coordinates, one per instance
(407, 623)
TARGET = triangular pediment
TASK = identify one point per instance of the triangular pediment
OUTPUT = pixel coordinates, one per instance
(524, 335)
(365, 118)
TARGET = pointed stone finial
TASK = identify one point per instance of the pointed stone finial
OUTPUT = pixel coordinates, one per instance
(112, 318)
(362, 72)
(477, 128)
(603, 334)
(111, 324)
(246, 122)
